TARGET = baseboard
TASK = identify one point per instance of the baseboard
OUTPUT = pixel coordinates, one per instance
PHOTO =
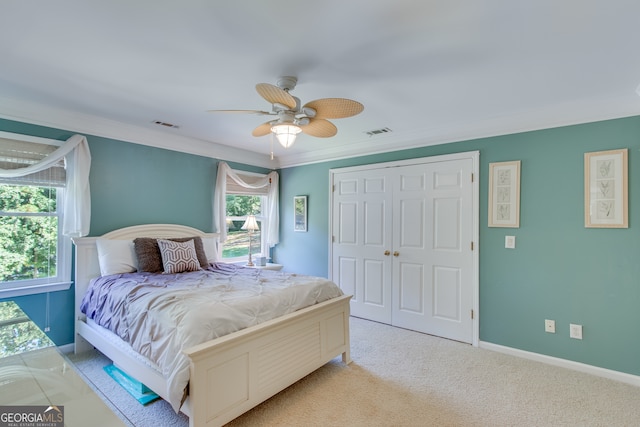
(66, 349)
(564, 363)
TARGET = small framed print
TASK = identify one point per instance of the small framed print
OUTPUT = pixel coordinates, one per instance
(300, 213)
(605, 189)
(504, 194)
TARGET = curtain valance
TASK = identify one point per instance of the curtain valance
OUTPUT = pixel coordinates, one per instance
(77, 197)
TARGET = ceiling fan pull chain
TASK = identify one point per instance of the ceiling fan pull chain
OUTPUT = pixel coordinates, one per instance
(271, 139)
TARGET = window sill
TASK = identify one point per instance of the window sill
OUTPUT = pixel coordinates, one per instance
(18, 291)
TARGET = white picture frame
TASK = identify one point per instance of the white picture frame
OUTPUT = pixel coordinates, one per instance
(300, 213)
(504, 194)
(606, 189)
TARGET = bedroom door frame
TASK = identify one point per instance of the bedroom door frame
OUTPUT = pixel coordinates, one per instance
(475, 203)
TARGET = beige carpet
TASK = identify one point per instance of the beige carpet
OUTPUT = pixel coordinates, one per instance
(404, 378)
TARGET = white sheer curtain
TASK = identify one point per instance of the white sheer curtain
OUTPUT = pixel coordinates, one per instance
(77, 196)
(272, 229)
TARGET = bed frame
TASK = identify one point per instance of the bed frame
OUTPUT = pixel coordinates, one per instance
(234, 373)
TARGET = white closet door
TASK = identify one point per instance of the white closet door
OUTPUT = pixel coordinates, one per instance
(361, 235)
(433, 260)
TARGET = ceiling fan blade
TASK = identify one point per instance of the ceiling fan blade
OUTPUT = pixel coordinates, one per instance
(263, 129)
(335, 108)
(320, 128)
(275, 95)
(258, 112)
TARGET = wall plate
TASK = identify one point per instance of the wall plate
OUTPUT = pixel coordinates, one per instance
(575, 331)
(550, 326)
(510, 242)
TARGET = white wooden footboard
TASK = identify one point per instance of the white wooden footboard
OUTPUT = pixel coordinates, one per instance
(234, 373)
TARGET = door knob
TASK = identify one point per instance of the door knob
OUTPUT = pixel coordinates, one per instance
(396, 253)
(387, 253)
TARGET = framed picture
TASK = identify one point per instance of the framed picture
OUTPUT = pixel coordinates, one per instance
(300, 213)
(605, 189)
(504, 194)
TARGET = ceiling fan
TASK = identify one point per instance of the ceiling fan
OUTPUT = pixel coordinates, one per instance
(293, 117)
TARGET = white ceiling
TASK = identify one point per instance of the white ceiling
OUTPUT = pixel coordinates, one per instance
(431, 71)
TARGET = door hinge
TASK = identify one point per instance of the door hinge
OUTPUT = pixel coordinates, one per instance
(333, 239)
(472, 314)
(333, 188)
(471, 245)
(472, 177)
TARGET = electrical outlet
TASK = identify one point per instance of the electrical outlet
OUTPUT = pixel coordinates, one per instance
(550, 326)
(47, 329)
(575, 331)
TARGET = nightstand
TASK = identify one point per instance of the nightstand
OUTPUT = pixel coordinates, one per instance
(269, 266)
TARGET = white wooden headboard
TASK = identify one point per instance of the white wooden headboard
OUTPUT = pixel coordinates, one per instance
(86, 263)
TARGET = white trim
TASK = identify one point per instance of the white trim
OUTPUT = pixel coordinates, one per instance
(549, 117)
(19, 291)
(564, 363)
(66, 349)
(565, 114)
(62, 280)
(26, 112)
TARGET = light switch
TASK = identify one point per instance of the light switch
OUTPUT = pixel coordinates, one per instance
(510, 242)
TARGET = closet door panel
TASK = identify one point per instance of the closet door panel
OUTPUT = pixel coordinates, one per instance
(411, 239)
(411, 288)
(361, 234)
(449, 259)
(346, 275)
(374, 291)
(446, 293)
(446, 228)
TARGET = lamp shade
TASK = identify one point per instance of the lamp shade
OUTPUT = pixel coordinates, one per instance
(250, 224)
(286, 134)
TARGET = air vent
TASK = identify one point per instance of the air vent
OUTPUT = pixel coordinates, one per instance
(378, 131)
(165, 124)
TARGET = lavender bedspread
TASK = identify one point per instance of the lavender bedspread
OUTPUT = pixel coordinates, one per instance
(160, 315)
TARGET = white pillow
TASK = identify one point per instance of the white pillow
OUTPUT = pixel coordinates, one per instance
(210, 245)
(116, 256)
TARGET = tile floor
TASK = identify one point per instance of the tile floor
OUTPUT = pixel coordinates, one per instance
(43, 376)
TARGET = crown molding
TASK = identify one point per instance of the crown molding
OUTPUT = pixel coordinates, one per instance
(58, 118)
(548, 117)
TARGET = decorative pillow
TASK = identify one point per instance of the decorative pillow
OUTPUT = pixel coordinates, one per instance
(178, 257)
(116, 256)
(148, 253)
(210, 245)
(150, 259)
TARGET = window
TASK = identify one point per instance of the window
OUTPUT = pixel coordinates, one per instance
(247, 194)
(30, 242)
(239, 206)
(34, 255)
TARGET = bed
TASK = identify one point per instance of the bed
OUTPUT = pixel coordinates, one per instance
(231, 374)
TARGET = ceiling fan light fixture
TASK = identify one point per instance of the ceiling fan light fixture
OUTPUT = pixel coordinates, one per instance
(286, 133)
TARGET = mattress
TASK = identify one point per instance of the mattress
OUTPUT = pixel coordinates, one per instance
(160, 315)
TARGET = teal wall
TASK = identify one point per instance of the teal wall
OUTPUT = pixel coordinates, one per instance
(130, 184)
(559, 270)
